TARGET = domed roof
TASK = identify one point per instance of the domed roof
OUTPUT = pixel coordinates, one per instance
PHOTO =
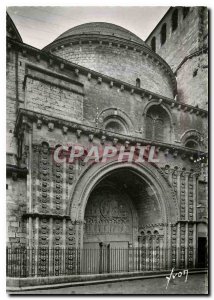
(102, 28)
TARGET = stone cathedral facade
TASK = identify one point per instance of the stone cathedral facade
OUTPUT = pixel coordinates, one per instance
(99, 84)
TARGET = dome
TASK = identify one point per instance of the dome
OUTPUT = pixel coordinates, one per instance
(101, 28)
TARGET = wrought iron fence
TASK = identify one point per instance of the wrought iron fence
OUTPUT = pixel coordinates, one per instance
(42, 262)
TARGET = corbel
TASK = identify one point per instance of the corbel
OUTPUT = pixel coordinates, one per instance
(99, 80)
(50, 126)
(64, 129)
(39, 124)
(115, 140)
(166, 151)
(76, 71)
(122, 87)
(91, 137)
(127, 144)
(103, 139)
(78, 133)
(61, 66)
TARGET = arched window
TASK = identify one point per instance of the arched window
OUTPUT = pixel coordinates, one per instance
(163, 34)
(185, 11)
(158, 125)
(138, 82)
(175, 20)
(192, 142)
(153, 43)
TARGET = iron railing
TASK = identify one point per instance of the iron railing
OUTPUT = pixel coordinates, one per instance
(43, 262)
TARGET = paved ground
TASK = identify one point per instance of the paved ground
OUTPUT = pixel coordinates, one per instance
(196, 284)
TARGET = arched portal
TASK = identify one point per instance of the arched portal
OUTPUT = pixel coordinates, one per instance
(146, 196)
(117, 207)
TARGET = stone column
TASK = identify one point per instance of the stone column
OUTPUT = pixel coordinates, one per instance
(195, 201)
(186, 218)
(50, 245)
(36, 243)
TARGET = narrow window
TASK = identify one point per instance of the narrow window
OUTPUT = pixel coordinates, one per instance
(174, 20)
(185, 11)
(158, 129)
(163, 34)
(153, 43)
(149, 127)
(138, 82)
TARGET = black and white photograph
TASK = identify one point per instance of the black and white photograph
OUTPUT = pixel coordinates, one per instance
(107, 150)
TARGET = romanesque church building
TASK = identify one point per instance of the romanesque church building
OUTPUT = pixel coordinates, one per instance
(98, 84)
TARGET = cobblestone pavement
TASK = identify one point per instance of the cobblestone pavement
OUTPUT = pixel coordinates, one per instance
(196, 284)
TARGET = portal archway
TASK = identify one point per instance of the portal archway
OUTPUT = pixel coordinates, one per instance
(155, 183)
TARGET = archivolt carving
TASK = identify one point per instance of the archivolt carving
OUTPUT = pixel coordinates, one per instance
(108, 212)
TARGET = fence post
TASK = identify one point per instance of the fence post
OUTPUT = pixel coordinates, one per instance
(100, 258)
(108, 258)
(7, 261)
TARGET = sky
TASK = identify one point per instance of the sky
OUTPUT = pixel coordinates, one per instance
(40, 25)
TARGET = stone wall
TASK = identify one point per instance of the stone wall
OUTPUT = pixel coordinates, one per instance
(182, 51)
(180, 42)
(16, 206)
(193, 81)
